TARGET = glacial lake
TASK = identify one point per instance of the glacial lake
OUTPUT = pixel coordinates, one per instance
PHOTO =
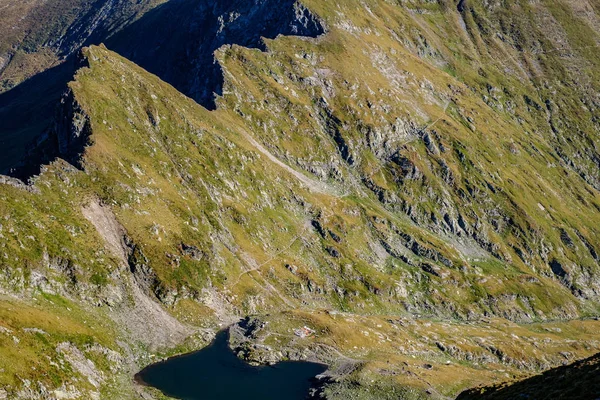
(216, 373)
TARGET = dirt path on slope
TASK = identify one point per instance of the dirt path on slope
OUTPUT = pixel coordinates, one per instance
(313, 184)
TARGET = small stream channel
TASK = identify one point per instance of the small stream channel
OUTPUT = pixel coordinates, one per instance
(216, 373)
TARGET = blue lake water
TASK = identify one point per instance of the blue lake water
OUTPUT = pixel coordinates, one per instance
(216, 373)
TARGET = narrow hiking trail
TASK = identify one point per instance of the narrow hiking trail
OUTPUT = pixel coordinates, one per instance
(312, 184)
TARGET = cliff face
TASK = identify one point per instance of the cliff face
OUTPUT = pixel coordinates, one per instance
(177, 40)
(415, 184)
(39, 41)
(37, 35)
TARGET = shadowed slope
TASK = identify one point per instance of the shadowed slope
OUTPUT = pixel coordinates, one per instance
(578, 381)
(175, 41)
(37, 34)
(38, 43)
(26, 112)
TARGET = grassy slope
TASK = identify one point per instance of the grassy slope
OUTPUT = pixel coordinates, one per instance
(174, 173)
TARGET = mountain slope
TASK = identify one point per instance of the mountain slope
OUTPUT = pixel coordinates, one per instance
(38, 44)
(578, 380)
(37, 35)
(233, 232)
(422, 204)
(175, 39)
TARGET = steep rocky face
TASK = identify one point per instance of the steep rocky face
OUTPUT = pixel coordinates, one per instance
(72, 130)
(66, 137)
(177, 40)
(39, 41)
(36, 35)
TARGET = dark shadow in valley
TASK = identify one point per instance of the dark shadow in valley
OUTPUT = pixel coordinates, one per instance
(577, 381)
(175, 41)
(217, 373)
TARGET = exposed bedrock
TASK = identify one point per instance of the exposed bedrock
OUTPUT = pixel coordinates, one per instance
(175, 41)
(179, 48)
